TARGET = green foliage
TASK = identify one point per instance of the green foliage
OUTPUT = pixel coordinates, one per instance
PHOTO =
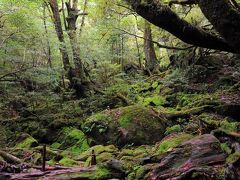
(92, 123)
(230, 126)
(155, 100)
(226, 148)
(175, 128)
(233, 157)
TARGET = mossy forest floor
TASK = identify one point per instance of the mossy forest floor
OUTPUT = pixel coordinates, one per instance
(130, 138)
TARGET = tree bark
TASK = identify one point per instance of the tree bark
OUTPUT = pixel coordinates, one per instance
(151, 61)
(224, 18)
(81, 82)
(59, 31)
(48, 52)
(163, 17)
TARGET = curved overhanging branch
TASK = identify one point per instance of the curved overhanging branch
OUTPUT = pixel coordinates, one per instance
(163, 17)
(224, 18)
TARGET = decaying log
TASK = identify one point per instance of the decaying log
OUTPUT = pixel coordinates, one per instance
(10, 158)
(195, 156)
(67, 173)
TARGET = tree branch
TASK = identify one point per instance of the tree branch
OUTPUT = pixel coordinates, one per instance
(225, 19)
(162, 16)
(155, 42)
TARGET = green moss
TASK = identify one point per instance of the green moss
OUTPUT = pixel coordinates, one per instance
(104, 156)
(175, 128)
(139, 152)
(137, 114)
(142, 150)
(226, 148)
(128, 163)
(98, 149)
(196, 100)
(233, 157)
(224, 124)
(140, 172)
(27, 143)
(67, 162)
(99, 173)
(55, 145)
(98, 121)
(230, 126)
(124, 121)
(51, 162)
(173, 142)
(100, 158)
(74, 140)
(141, 124)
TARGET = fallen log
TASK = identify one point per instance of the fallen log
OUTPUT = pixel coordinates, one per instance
(10, 158)
(196, 156)
(77, 173)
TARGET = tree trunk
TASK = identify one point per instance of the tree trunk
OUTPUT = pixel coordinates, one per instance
(224, 18)
(59, 31)
(151, 61)
(137, 45)
(49, 52)
(81, 82)
(162, 16)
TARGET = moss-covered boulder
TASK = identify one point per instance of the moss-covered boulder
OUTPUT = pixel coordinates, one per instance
(26, 141)
(102, 153)
(134, 125)
(72, 140)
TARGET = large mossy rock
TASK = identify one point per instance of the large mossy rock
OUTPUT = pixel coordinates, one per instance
(72, 140)
(132, 125)
(191, 160)
(26, 141)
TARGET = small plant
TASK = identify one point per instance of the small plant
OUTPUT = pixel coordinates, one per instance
(175, 128)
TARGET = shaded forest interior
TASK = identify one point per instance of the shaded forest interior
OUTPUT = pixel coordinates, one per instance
(120, 89)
